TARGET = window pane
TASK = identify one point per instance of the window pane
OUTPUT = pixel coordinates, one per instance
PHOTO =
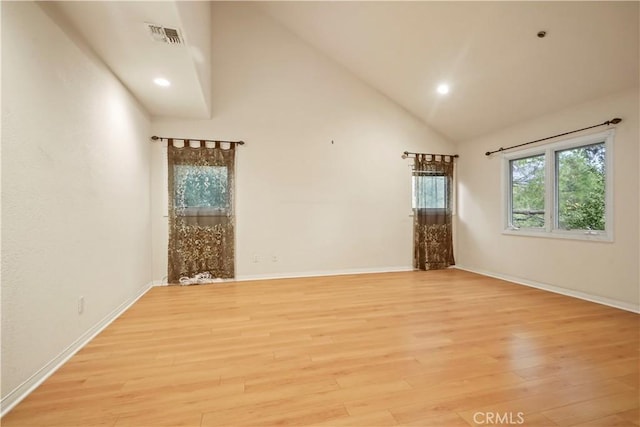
(527, 192)
(200, 187)
(581, 188)
(429, 192)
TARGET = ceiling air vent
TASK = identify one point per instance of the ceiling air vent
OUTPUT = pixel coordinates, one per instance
(164, 34)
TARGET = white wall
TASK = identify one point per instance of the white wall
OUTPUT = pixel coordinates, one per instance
(599, 269)
(316, 206)
(75, 194)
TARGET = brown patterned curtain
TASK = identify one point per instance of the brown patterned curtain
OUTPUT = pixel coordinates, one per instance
(433, 240)
(201, 213)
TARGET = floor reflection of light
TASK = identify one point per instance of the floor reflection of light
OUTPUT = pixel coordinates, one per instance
(521, 350)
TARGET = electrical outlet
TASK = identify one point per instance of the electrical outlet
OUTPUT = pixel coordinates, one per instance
(256, 259)
(80, 305)
(274, 258)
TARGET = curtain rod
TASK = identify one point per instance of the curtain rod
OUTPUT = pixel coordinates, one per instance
(613, 121)
(408, 154)
(156, 138)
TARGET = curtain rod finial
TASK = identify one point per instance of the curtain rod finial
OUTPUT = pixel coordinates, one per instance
(155, 138)
(616, 120)
(488, 153)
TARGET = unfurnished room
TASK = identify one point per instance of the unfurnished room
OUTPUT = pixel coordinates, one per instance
(327, 213)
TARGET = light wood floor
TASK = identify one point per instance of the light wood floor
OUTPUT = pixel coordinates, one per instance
(416, 349)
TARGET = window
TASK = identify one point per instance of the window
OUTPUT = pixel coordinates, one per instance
(580, 188)
(201, 211)
(429, 191)
(201, 189)
(527, 192)
(562, 189)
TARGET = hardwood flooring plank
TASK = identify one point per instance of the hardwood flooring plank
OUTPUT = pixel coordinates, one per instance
(594, 409)
(610, 421)
(378, 419)
(632, 415)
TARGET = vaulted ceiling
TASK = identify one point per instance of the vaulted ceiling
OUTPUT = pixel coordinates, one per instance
(499, 71)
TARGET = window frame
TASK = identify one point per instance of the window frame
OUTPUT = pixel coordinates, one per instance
(550, 229)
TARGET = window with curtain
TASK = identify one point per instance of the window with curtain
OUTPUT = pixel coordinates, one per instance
(432, 183)
(201, 214)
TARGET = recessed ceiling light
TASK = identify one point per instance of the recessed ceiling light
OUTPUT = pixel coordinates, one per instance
(162, 82)
(443, 89)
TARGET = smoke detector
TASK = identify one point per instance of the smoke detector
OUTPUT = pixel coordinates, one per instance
(166, 35)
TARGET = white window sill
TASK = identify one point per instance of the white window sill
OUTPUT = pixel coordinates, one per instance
(560, 234)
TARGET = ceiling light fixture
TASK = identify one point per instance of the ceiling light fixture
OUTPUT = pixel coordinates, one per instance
(162, 82)
(443, 89)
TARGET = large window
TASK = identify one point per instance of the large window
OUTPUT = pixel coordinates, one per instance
(562, 189)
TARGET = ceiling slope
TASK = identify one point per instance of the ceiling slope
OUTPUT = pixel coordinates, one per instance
(499, 71)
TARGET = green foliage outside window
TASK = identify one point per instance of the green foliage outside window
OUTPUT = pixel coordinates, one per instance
(527, 187)
(580, 189)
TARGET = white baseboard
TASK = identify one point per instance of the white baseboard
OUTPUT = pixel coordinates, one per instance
(16, 395)
(319, 273)
(622, 305)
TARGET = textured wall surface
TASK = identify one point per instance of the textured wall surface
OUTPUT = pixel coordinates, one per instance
(75, 192)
